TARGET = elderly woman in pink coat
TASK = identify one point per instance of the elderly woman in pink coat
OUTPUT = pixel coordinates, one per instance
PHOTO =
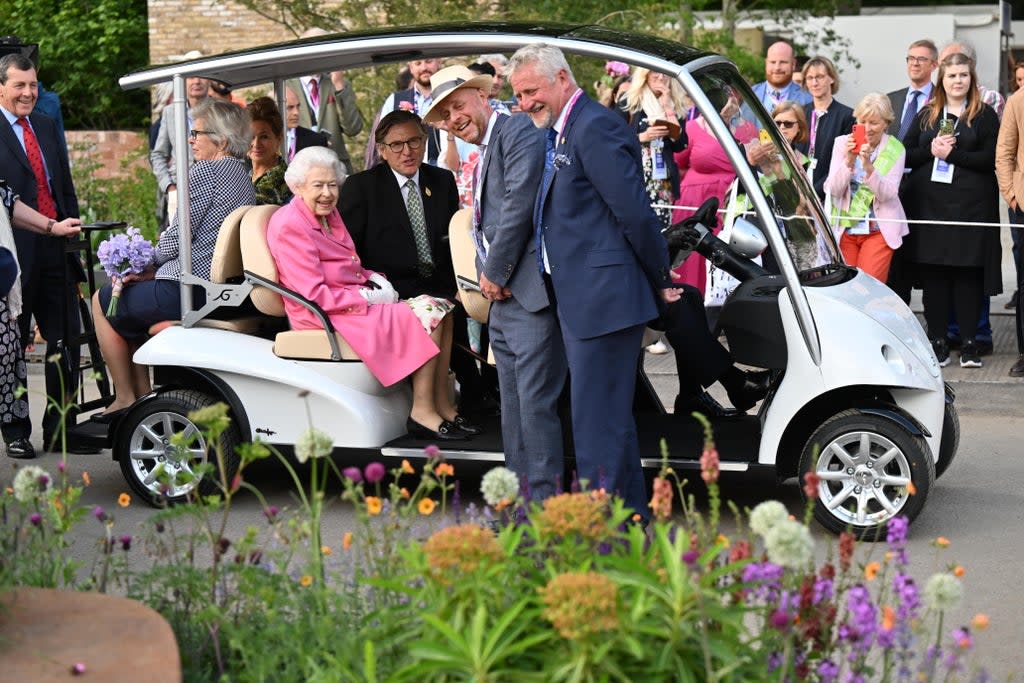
(316, 257)
(864, 183)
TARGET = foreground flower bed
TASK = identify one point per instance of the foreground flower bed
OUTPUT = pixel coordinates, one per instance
(426, 589)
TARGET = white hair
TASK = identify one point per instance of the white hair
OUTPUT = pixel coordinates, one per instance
(548, 60)
(229, 124)
(963, 47)
(306, 160)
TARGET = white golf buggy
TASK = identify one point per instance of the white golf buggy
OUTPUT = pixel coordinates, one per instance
(857, 394)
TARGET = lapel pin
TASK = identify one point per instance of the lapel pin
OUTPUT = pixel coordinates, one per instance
(427, 191)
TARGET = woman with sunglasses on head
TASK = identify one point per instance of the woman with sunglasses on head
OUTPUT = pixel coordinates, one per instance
(219, 183)
(827, 118)
(951, 151)
(864, 185)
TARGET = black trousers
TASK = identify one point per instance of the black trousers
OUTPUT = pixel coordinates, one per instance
(948, 289)
(700, 359)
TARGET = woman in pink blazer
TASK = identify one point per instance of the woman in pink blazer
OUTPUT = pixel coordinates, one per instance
(316, 258)
(864, 185)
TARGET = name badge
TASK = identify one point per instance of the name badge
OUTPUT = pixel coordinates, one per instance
(942, 171)
(810, 170)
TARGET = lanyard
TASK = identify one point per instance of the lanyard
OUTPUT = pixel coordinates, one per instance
(814, 130)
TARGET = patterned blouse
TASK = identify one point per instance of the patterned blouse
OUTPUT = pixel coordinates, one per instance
(7, 196)
(271, 188)
(216, 188)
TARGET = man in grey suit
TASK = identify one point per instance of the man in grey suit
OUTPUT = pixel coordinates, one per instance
(527, 345)
(165, 149)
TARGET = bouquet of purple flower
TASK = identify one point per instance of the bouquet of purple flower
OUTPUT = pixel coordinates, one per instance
(121, 255)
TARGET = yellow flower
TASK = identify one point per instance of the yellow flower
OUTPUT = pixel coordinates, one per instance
(124, 500)
(373, 505)
(444, 469)
(326, 549)
(406, 467)
(426, 506)
(959, 571)
(871, 570)
(942, 542)
(306, 581)
(980, 621)
(346, 540)
(86, 479)
(723, 541)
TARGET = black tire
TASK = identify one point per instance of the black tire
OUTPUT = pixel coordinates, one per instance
(950, 439)
(845, 452)
(143, 447)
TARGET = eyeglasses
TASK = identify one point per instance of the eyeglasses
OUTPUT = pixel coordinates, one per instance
(193, 134)
(911, 59)
(785, 124)
(399, 145)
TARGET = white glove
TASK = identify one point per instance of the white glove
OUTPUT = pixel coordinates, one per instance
(385, 286)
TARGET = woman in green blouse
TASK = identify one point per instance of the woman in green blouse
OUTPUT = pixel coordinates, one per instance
(268, 166)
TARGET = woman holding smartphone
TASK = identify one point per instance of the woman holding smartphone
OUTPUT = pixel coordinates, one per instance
(951, 150)
(863, 183)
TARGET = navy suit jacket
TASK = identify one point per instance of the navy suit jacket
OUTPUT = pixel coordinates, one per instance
(608, 257)
(19, 176)
(512, 170)
(374, 212)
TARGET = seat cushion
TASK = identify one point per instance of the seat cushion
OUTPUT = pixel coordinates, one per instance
(256, 258)
(310, 345)
(227, 254)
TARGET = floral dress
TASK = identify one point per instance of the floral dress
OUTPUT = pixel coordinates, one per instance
(271, 188)
(13, 373)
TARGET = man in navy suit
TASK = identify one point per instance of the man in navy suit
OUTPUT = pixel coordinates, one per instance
(779, 64)
(523, 328)
(600, 247)
(45, 269)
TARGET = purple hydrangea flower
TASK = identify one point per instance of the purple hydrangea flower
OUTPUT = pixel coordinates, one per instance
(125, 253)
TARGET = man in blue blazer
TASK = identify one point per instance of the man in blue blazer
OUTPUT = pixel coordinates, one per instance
(779, 64)
(524, 332)
(600, 246)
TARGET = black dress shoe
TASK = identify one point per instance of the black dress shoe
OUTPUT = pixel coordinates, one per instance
(21, 449)
(448, 431)
(1017, 370)
(754, 388)
(466, 426)
(984, 347)
(107, 417)
(703, 403)
(52, 444)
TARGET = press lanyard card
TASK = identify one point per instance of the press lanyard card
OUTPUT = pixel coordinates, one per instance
(942, 171)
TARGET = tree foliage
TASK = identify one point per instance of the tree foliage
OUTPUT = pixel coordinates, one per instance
(83, 47)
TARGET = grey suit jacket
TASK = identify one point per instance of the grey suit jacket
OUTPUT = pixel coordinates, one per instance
(513, 166)
(337, 115)
(164, 151)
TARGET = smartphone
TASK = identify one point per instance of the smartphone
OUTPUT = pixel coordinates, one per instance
(764, 137)
(860, 136)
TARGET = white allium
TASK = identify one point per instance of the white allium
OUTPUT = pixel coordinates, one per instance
(767, 515)
(789, 544)
(499, 484)
(313, 443)
(943, 591)
(30, 482)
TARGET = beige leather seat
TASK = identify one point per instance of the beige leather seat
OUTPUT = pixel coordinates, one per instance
(257, 259)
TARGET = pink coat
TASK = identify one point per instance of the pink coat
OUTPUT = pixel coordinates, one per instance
(887, 207)
(326, 269)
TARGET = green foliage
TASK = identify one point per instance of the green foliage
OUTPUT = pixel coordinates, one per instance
(83, 48)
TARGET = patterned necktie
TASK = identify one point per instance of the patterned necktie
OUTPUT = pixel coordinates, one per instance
(44, 200)
(909, 115)
(314, 93)
(478, 234)
(549, 168)
(414, 205)
(776, 96)
(291, 145)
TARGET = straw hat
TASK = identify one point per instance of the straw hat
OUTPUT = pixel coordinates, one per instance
(448, 80)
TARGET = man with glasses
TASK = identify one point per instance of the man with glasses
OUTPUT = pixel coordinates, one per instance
(398, 213)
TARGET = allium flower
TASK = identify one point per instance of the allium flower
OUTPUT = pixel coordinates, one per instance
(766, 515)
(352, 474)
(943, 592)
(374, 472)
(30, 482)
(373, 505)
(313, 443)
(458, 551)
(581, 604)
(499, 484)
(432, 452)
(789, 544)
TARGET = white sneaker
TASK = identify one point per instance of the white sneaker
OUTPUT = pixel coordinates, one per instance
(657, 348)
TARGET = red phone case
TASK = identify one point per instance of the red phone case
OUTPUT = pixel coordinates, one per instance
(859, 137)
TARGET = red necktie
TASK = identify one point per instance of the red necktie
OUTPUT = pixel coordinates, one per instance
(314, 93)
(44, 199)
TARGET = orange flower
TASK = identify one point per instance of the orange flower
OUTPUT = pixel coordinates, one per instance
(326, 550)
(888, 618)
(86, 479)
(426, 506)
(455, 552)
(980, 621)
(583, 515)
(661, 501)
(406, 467)
(306, 581)
(871, 570)
(124, 500)
(444, 469)
(346, 540)
(911, 489)
(942, 542)
(502, 504)
(581, 604)
(9, 491)
(959, 571)
(373, 505)
(723, 541)
(405, 493)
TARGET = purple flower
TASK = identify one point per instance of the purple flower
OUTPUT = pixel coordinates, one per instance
(766, 577)
(861, 624)
(270, 512)
(353, 474)
(828, 671)
(126, 542)
(690, 557)
(822, 591)
(77, 669)
(896, 537)
(616, 68)
(44, 479)
(779, 620)
(432, 452)
(125, 253)
(99, 514)
(374, 472)
(36, 519)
